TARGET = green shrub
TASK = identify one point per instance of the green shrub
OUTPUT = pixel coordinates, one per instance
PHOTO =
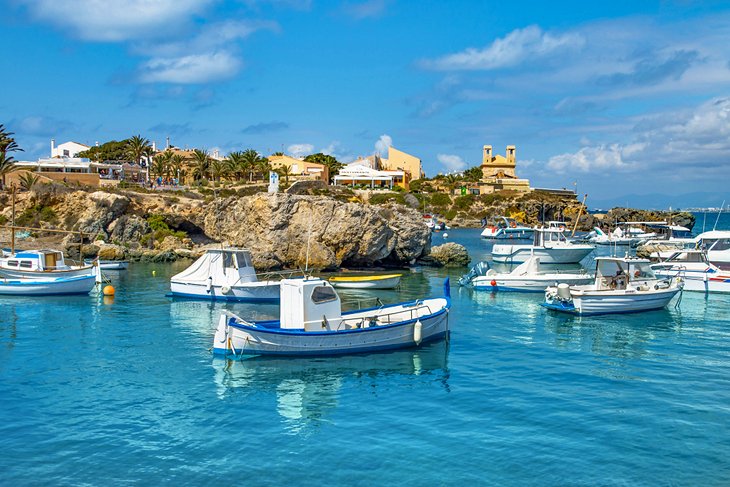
(440, 199)
(464, 202)
(450, 215)
(382, 198)
(33, 215)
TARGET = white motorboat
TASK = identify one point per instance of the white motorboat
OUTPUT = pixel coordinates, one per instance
(549, 244)
(527, 277)
(717, 245)
(111, 265)
(224, 274)
(698, 273)
(312, 323)
(382, 281)
(50, 285)
(622, 285)
(505, 228)
(616, 238)
(40, 264)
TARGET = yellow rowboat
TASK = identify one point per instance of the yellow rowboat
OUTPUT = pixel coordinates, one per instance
(384, 281)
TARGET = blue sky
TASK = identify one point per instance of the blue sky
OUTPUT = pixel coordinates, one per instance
(622, 97)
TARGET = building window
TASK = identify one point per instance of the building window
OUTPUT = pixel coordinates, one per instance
(65, 153)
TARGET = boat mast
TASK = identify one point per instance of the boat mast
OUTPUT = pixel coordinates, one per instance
(718, 215)
(582, 205)
(12, 224)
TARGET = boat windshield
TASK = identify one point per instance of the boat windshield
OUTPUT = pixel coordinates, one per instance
(243, 259)
(640, 270)
(323, 294)
(717, 244)
(610, 268)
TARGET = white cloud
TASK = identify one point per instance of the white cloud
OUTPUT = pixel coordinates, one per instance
(299, 150)
(452, 162)
(382, 144)
(198, 68)
(366, 9)
(589, 159)
(116, 20)
(518, 46)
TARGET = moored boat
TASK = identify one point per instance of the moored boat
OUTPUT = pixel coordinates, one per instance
(224, 274)
(698, 273)
(622, 285)
(49, 286)
(505, 228)
(312, 323)
(527, 277)
(111, 265)
(549, 244)
(383, 281)
(40, 264)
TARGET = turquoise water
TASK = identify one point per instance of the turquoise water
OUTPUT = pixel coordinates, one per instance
(127, 392)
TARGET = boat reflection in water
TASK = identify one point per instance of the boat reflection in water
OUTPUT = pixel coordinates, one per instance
(307, 390)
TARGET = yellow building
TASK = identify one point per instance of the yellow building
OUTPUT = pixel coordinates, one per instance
(400, 166)
(301, 169)
(498, 172)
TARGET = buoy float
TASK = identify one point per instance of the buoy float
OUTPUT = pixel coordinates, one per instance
(417, 332)
(493, 283)
(108, 290)
(446, 235)
(154, 273)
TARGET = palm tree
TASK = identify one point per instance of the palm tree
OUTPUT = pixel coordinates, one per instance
(7, 144)
(177, 166)
(235, 164)
(201, 161)
(161, 164)
(250, 159)
(263, 166)
(137, 148)
(285, 171)
(28, 180)
(217, 169)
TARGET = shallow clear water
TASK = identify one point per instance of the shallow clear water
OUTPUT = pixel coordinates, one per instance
(123, 392)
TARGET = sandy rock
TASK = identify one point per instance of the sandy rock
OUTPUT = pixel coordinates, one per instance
(111, 252)
(451, 255)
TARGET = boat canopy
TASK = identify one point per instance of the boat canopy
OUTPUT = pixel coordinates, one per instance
(35, 260)
(220, 267)
(309, 303)
(552, 234)
(629, 269)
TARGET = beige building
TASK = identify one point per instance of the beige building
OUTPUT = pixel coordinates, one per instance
(401, 167)
(498, 172)
(301, 169)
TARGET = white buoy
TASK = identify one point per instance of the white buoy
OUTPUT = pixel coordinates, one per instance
(417, 326)
(446, 235)
(225, 289)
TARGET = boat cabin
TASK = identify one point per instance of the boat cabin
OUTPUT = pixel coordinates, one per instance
(220, 267)
(715, 241)
(548, 236)
(617, 273)
(35, 260)
(311, 304)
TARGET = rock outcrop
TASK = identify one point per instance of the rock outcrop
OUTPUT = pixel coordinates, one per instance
(450, 255)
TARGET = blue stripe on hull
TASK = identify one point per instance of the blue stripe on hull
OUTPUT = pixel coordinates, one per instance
(222, 298)
(508, 289)
(333, 352)
(574, 311)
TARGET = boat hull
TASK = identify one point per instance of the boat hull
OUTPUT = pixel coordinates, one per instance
(238, 339)
(260, 291)
(21, 274)
(697, 281)
(550, 255)
(613, 302)
(525, 284)
(388, 283)
(43, 287)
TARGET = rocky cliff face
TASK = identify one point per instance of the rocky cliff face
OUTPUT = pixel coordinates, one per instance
(277, 228)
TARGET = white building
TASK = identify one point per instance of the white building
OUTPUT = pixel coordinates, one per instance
(67, 149)
(359, 173)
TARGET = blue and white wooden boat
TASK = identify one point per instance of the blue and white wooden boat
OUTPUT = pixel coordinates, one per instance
(224, 274)
(44, 264)
(312, 323)
(622, 285)
(49, 286)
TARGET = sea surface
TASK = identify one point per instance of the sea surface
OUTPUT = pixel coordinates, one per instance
(96, 391)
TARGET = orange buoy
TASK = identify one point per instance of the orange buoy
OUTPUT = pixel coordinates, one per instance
(493, 283)
(108, 290)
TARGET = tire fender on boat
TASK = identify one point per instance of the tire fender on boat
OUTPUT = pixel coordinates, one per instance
(417, 330)
(225, 289)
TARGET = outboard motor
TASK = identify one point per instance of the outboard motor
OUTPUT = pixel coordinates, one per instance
(478, 270)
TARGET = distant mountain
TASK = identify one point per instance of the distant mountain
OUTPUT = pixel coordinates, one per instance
(657, 201)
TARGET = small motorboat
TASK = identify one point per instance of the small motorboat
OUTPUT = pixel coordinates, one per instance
(616, 238)
(50, 285)
(383, 281)
(224, 274)
(40, 264)
(698, 273)
(622, 285)
(526, 277)
(312, 323)
(505, 228)
(550, 244)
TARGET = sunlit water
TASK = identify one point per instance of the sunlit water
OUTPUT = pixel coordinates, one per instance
(127, 392)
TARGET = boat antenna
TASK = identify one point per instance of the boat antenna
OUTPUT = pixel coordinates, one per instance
(704, 220)
(582, 205)
(718, 215)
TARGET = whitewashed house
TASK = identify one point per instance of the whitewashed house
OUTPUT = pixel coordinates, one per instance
(67, 149)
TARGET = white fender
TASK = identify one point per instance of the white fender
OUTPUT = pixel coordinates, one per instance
(221, 333)
(417, 327)
(225, 289)
(209, 285)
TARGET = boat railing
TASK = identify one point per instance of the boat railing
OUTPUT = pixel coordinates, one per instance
(374, 302)
(270, 275)
(406, 313)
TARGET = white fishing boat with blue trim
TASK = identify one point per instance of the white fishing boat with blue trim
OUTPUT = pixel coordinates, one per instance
(526, 277)
(622, 285)
(506, 228)
(50, 286)
(224, 274)
(312, 323)
(45, 264)
(549, 244)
